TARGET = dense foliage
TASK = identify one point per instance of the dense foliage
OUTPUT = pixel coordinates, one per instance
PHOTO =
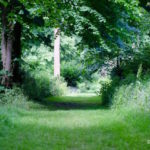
(109, 38)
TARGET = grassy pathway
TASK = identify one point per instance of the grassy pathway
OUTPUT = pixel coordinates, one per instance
(73, 124)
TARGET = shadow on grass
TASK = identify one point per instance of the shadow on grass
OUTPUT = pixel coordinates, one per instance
(73, 103)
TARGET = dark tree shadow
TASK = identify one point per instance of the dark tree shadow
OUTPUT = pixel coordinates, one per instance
(72, 103)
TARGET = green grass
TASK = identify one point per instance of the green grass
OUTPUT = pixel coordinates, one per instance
(80, 127)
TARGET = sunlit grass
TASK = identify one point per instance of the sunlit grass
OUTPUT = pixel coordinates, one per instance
(74, 94)
(77, 99)
(73, 129)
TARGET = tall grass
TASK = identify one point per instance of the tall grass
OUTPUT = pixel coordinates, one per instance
(135, 94)
(129, 92)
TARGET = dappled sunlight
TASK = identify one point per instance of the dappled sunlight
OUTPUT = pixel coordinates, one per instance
(75, 94)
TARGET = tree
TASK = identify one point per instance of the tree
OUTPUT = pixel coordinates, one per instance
(10, 40)
(115, 26)
(103, 22)
(15, 15)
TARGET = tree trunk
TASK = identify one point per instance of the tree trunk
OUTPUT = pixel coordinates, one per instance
(17, 53)
(3, 41)
(57, 52)
(6, 51)
(8, 67)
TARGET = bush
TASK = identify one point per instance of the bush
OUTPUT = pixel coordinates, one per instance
(71, 73)
(36, 85)
(40, 84)
(84, 86)
(58, 87)
(13, 96)
(107, 90)
(88, 86)
(2, 73)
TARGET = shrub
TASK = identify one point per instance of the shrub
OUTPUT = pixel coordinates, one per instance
(41, 84)
(88, 86)
(108, 87)
(84, 86)
(58, 86)
(36, 85)
(13, 96)
(107, 90)
(2, 73)
(71, 73)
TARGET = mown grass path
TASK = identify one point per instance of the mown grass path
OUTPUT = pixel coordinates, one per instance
(73, 123)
